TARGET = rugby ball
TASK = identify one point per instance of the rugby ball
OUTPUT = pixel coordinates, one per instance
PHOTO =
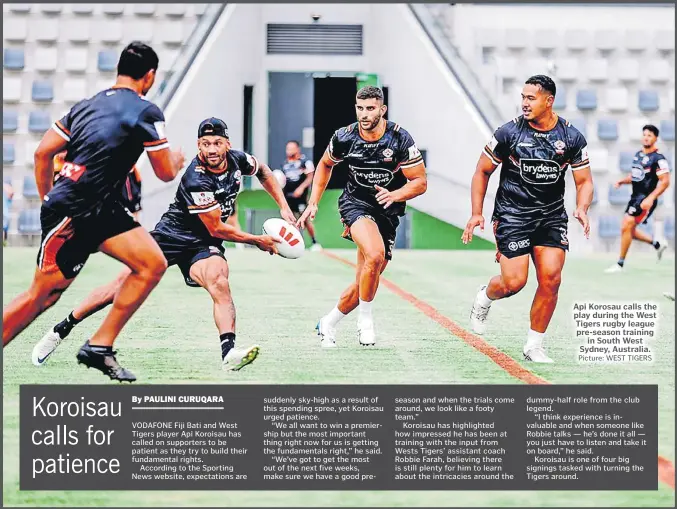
(292, 245)
(280, 177)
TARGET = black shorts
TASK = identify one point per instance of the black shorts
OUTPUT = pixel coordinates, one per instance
(634, 209)
(178, 252)
(68, 241)
(131, 193)
(297, 205)
(517, 236)
(351, 210)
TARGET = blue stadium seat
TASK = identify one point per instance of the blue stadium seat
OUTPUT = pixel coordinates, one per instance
(609, 227)
(625, 161)
(107, 61)
(13, 59)
(39, 121)
(42, 91)
(560, 99)
(670, 227)
(607, 129)
(619, 196)
(648, 100)
(667, 130)
(579, 123)
(10, 121)
(30, 189)
(29, 221)
(586, 100)
(8, 153)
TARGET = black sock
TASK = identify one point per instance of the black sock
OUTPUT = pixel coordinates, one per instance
(65, 327)
(99, 348)
(313, 240)
(656, 244)
(227, 343)
(621, 262)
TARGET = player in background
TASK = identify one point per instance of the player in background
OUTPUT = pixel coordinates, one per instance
(82, 214)
(298, 171)
(191, 234)
(530, 220)
(385, 169)
(650, 177)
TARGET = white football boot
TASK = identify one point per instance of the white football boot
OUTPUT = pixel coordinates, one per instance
(537, 354)
(614, 269)
(45, 347)
(327, 334)
(479, 313)
(238, 358)
(366, 334)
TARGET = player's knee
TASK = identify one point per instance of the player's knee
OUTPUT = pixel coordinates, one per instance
(153, 268)
(628, 225)
(373, 260)
(514, 284)
(551, 282)
(219, 286)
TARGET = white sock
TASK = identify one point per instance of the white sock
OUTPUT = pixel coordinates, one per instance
(534, 340)
(484, 299)
(365, 311)
(335, 316)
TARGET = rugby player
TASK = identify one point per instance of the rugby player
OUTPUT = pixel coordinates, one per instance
(529, 217)
(385, 169)
(191, 234)
(650, 177)
(298, 171)
(82, 214)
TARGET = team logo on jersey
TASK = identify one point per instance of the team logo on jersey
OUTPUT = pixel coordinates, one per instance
(237, 175)
(388, 155)
(645, 160)
(560, 146)
(370, 177)
(637, 173)
(539, 171)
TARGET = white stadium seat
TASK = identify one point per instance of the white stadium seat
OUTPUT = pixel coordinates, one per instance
(665, 40)
(606, 40)
(45, 30)
(545, 39)
(139, 30)
(617, 99)
(74, 90)
(597, 69)
(516, 38)
(567, 69)
(172, 32)
(102, 84)
(30, 148)
(167, 58)
(51, 8)
(659, 71)
(20, 8)
(628, 69)
(199, 9)
(45, 59)
(113, 9)
(599, 159)
(507, 67)
(144, 9)
(635, 40)
(76, 59)
(534, 66)
(14, 29)
(11, 89)
(488, 37)
(577, 40)
(82, 8)
(174, 10)
(635, 125)
(78, 30)
(110, 31)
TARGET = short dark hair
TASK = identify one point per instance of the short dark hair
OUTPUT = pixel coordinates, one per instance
(136, 60)
(294, 141)
(652, 128)
(370, 92)
(545, 82)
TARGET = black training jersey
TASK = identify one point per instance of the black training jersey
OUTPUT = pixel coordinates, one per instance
(106, 134)
(202, 190)
(374, 163)
(534, 164)
(295, 171)
(646, 168)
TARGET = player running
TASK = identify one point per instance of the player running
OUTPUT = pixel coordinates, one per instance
(298, 171)
(82, 214)
(529, 217)
(650, 177)
(191, 234)
(385, 169)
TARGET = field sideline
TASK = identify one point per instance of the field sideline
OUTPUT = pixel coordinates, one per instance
(286, 297)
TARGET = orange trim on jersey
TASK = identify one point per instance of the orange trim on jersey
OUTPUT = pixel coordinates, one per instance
(491, 155)
(154, 143)
(60, 126)
(51, 246)
(581, 164)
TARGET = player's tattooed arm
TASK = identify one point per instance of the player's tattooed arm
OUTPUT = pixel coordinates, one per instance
(272, 187)
(50, 145)
(478, 190)
(584, 194)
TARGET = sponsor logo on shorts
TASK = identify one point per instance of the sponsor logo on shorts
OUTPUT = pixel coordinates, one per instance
(72, 171)
(370, 177)
(540, 171)
(514, 246)
(78, 268)
(214, 250)
(564, 238)
(632, 210)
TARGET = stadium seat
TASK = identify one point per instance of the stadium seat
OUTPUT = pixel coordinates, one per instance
(606, 40)
(617, 99)
(648, 100)
(10, 121)
(670, 227)
(635, 40)
(11, 89)
(45, 59)
(144, 9)
(20, 8)
(560, 99)
(507, 67)
(107, 61)
(619, 196)
(628, 70)
(76, 59)
(545, 39)
(8, 153)
(139, 30)
(13, 59)
(30, 147)
(174, 10)
(586, 100)
(82, 9)
(635, 126)
(597, 69)
(567, 69)
(110, 31)
(113, 9)
(607, 129)
(29, 221)
(667, 132)
(516, 38)
(14, 29)
(581, 125)
(199, 9)
(30, 188)
(51, 8)
(78, 30)
(665, 40)
(485, 37)
(659, 71)
(609, 227)
(101, 84)
(172, 32)
(577, 40)
(42, 91)
(45, 30)
(625, 160)
(74, 90)
(39, 121)
(599, 159)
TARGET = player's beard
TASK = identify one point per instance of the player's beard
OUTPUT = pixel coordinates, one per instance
(211, 164)
(372, 125)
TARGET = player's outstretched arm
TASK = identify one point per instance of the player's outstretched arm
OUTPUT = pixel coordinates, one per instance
(584, 194)
(166, 163)
(320, 182)
(217, 228)
(478, 190)
(50, 145)
(625, 180)
(272, 187)
(417, 185)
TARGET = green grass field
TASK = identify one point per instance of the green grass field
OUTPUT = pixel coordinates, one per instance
(173, 340)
